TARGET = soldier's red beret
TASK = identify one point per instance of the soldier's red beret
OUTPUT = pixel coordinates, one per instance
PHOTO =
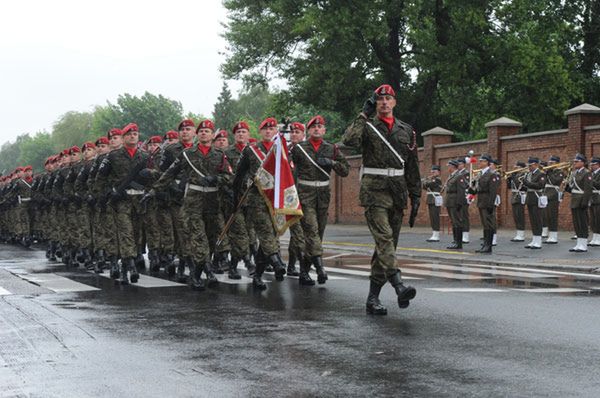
(155, 139)
(206, 124)
(66, 152)
(102, 141)
(27, 168)
(114, 131)
(186, 123)
(297, 126)
(268, 122)
(240, 125)
(385, 89)
(315, 120)
(129, 128)
(19, 169)
(221, 134)
(74, 149)
(87, 145)
(171, 134)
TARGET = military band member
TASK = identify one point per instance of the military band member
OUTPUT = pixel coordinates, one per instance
(462, 169)
(534, 181)
(595, 202)
(552, 190)
(580, 186)
(486, 187)
(455, 200)
(433, 186)
(314, 160)
(495, 163)
(518, 194)
(390, 176)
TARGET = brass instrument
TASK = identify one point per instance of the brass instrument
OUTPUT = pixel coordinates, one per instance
(562, 165)
(515, 171)
(498, 169)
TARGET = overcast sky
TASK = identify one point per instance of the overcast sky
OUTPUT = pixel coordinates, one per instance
(63, 55)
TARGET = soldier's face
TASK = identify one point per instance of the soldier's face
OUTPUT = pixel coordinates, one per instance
(131, 138)
(116, 141)
(89, 153)
(267, 133)
(317, 130)
(172, 140)
(595, 166)
(187, 134)
(578, 164)
(483, 164)
(221, 142)
(296, 136)
(65, 160)
(28, 173)
(102, 149)
(532, 166)
(435, 173)
(74, 157)
(451, 169)
(385, 105)
(205, 136)
(153, 146)
(242, 136)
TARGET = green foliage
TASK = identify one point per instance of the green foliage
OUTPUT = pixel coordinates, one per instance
(34, 151)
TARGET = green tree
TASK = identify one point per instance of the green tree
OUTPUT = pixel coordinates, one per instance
(36, 150)
(224, 112)
(72, 128)
(10, 153)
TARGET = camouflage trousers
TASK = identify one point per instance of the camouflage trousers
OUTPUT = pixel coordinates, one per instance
(313, 224)
(197, 246)
(104, 231)
(263, 226)
(297, 242)
(127, 216)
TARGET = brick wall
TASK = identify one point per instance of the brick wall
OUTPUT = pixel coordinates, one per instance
(503, 142)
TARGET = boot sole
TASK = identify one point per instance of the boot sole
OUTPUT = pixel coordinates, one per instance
(235, 277)
(404, 300)
(374, 312)
(135, 279)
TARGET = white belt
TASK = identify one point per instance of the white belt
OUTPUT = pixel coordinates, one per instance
(596, 191)
(200, 188)
(383, 172)
(515, 190)
(434, 193)
(24, 199)
(134, 192)
(313, 183)
(551, 186)
(580, 191)
(534, 190)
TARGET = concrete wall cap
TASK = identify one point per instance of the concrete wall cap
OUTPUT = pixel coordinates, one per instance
(583, 108)
(437, 131)
(503, 122)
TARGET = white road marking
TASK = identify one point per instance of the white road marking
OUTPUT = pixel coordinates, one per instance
(57, 283)
(146, 281)
(543, 271)
(553, 290)
(336, 256)
(464, 290)
(360, 273)
(491, 271)
(223, 278)
(4, 292)
(445, 275)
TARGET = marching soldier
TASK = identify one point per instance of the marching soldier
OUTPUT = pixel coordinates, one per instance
(595, 202)
(297, 245)
(517, 200)
(580, 187)
(84, 229)
(462, 169)
(455, 200)
(22, 192)
(485, 187)
(534, 181)
(552, 190)
(390, 175)
(433, 186)
(248, 166)
(314, 160)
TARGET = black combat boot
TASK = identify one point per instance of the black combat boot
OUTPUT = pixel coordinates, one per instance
(374, 306)
(196, 276)
(405, 293)
(260, 259)
(99, 267)
(454, 244)
(211, 279)
(220, 260)
(483, 243)
(74, 261)
(291, 266)
(140, 262)
(181, 270)
(233, 271)
(305, 279)
(135, 275)
(154, 262)
(459, 242)
(80, 255)
(278, 266)
(88, 260)
(168, 261)
(317, 261)
(124, 279)
(257, 281)
(249, 264)
(48, 250)
(114, 267)
(58, 250)
(487, 246)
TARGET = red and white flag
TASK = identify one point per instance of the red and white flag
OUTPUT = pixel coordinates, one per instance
(275, 182)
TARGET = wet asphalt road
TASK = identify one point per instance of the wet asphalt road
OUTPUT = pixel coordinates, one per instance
(288, 341)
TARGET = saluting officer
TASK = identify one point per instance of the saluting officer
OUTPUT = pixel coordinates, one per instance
(595, 202)
(534, 181)
(433, 186)
(390, 175)
(554, 180)
(580, 187)
(455, 200)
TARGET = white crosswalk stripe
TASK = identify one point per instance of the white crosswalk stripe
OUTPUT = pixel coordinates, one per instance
(146, 281)
(553, 290)
(4, 292)
(464, 290)
(57, 283)
(491, 271)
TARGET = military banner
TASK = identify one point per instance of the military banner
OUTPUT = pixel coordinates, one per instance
(276, 183)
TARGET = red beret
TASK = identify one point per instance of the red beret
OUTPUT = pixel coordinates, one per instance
(87, 145)
(186, 123)
(240, 126)
(297, 126)
(221, 134)
(206, 124)
(385, 89)
(74, 149)
(19, 169)
(171, 134)
(268, 122)
(65, 152)
(155, 139)
(129, 128)
(315, 120)
(115, 131)
(102, 140)
(26, 168)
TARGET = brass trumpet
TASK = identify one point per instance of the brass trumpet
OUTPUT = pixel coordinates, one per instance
(562, 165)
(498, 169)
(515, 171)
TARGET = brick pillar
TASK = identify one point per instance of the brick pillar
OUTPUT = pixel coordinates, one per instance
(431, 138)
(500, 128)
(578, 118)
